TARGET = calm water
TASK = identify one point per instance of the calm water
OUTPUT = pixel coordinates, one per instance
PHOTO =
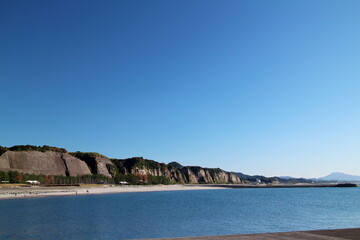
(179, 213)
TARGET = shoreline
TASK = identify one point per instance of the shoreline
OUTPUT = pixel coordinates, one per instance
(23, 191)
(39, 191)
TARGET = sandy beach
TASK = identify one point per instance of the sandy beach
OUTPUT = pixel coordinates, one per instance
(39, 191)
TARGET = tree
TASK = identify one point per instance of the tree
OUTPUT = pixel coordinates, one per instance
(13, 176)
(4, 176)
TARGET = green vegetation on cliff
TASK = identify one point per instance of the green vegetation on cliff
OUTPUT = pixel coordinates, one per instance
(89, 158)
(140, 162)
(158, 180)
(176, 165)
(124, 167)
(2, 150)
(23, 148)
(82, 155)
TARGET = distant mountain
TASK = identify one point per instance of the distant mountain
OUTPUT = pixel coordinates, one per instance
(286, 177)
(338, 176)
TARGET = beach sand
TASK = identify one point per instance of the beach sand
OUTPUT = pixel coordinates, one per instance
(39, 191)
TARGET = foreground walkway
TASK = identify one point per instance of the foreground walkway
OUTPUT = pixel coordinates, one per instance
(339, 234)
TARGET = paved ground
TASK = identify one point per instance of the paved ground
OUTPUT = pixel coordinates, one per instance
(339, 234)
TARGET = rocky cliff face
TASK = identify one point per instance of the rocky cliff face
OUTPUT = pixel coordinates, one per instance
(209, 175)
(98, 164)
(57, 161)
(142, 167)
(47, 163)
(178, 174)
(103, 165)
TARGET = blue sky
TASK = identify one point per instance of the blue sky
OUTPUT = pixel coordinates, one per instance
(260, 87)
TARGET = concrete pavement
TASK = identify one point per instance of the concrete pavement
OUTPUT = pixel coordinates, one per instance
(338, 234)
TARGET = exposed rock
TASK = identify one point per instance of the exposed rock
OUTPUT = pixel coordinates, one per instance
(103, 166)
(209, 175)
(48, 163)
(142, 167)
(98, 164)
(57, 161)
(76, 167)
(189, 175)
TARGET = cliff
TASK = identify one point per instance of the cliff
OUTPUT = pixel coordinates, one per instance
(52, 161)
(209, 175)
(98, 164)
(57, 161)
(47, 163)
(142, 167)
(174, 171)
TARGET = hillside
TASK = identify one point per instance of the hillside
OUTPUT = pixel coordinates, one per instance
(53, 161)
(267, 180)
(47, 163)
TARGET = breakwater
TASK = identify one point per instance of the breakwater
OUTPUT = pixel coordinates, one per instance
(303, 185)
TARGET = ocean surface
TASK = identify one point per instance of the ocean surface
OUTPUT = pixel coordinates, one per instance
(179, 213)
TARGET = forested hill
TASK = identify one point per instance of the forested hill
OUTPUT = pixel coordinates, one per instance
(262, 179)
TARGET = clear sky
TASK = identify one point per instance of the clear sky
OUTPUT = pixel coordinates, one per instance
(256, 86)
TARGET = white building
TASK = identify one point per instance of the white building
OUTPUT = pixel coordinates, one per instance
(33, 182)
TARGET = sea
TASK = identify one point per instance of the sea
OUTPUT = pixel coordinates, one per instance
(179, 213)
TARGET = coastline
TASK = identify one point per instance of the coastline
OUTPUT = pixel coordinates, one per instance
(24, 191)
(40, 191)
